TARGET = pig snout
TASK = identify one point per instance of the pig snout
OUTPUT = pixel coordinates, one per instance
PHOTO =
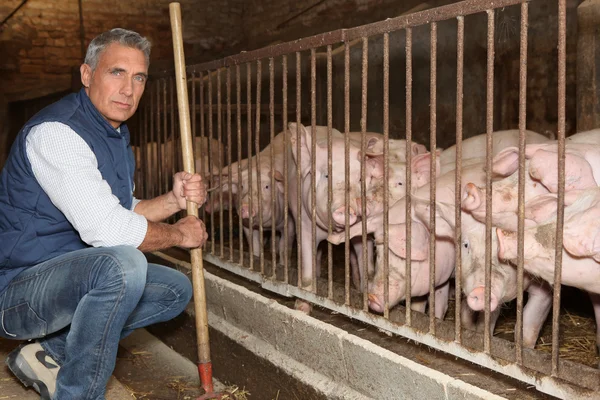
(339, 215)
(375, 303)
(245, 211)
(476, 299)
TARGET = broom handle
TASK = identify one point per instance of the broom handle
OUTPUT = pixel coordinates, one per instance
(204, 363)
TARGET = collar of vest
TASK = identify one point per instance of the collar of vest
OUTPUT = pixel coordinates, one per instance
(98, 119)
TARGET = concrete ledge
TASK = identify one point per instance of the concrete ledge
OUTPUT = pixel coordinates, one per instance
(335, 362)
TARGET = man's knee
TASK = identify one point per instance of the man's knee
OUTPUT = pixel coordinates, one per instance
(123, 265)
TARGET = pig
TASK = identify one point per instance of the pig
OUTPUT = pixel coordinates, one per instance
(581, 231)
(539, 260)
(504, 192)
(206, 159)
(475, 147)
(305, 136)
(420, 239)
(248, 203)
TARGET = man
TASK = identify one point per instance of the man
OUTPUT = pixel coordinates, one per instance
(72, 272)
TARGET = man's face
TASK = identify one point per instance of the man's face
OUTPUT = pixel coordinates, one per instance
(117, 84)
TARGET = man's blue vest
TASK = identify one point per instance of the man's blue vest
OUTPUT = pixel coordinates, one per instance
(32, 229)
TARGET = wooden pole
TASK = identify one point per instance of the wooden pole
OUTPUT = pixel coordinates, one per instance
(204, 363)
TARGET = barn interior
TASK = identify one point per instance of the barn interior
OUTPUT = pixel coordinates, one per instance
(260, 344)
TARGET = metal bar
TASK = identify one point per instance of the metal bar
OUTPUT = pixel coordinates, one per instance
(258, 170)
(239, 159)
(363, 187)
(159, 157)
(165, 137)
(250, 160)
(407, 272)
(313, 167)
(488, 206)
(460, 54)
(347, 168)
(386, 173)
(432, 173)
(521, 200)
(329, 168)
(209, 139)
(437, 14)
(219, 161)
(562, 33)
(299, 165)
(286, 154)
(272, 155)
(153, 159)
(229, 194)
(202, 132)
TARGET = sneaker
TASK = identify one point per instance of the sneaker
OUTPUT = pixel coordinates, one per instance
(30, 363)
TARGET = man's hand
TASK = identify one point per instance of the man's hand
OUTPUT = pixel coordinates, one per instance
(193, 231)
(188, 187)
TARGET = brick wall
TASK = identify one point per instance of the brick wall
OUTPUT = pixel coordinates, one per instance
(41, 42)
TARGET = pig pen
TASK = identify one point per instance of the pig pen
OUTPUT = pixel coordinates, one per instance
(389, 77)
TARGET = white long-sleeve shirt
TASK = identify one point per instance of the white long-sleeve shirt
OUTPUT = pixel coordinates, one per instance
(67, 170)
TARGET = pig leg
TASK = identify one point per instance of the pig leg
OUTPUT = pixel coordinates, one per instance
(357, 245)
(441, 300)
(291, 234)
(419, 304)
(468, 317)
(535, 312)
(252, 236)
(595, 298)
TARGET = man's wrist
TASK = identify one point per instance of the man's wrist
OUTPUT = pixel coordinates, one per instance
(172, 200)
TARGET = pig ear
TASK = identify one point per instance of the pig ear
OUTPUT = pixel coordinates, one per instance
(472, 197)
(417, 149)
(501, 244)
(421, 166)
(419, 243)
(299, 132)
(279, 180)
(374, 147)
(506, 162)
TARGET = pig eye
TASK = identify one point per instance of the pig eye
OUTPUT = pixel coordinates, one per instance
(466, 245)
(399, 183)
(267, 187)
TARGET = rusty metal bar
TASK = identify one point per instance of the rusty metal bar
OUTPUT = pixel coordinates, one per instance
(239, 159)
(152, 158)
(209, 137)
(313, 167)
(174, 152)
(145, 148)
(159, 155)
(347, 169)
(386, 173)
(299, 165)
(165, 136)
(460, 55)
(432, 173)
(521, 193)
(258, 170)
(489, 151)
(286, 154)
(219, 161)
(272, 155)
(346, 35)
(250, 161)
(202, 132)
(329, 169)
(408, 270)
(229, 194)
(562, 45)
(363, 183)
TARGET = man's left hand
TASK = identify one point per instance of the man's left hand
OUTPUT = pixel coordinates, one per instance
(188, 187)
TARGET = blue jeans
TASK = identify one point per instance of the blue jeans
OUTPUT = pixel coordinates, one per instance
(82, 303)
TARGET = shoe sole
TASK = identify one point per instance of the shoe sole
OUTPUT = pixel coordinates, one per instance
(20, 368)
